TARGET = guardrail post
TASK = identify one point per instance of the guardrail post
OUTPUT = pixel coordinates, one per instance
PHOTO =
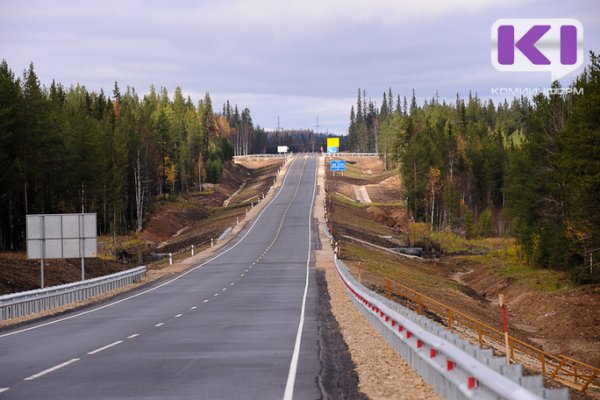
(192, 250)
(170, 258)
(212, 242)
(237, 220)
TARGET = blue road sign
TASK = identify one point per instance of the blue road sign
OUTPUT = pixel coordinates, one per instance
(338, 165)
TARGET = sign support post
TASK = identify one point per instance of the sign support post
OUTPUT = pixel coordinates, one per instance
(82, 247)
(42, 273)
(42, 250)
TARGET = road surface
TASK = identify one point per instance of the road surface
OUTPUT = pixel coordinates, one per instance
(240, 326)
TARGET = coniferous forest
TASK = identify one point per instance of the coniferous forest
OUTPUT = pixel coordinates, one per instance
(72, 150)
(528, 168)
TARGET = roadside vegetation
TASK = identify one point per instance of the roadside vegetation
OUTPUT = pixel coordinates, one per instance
(546, 307)
(527, 169)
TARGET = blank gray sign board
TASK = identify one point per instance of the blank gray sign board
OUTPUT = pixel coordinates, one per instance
(61, 236)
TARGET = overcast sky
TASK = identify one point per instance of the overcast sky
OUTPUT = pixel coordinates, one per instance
(295, 59)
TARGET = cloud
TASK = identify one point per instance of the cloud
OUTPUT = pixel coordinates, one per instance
(293, 58)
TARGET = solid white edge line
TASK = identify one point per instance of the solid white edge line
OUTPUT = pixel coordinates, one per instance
(108, 346)
(165, 283)
(291, 380)
(47, 371)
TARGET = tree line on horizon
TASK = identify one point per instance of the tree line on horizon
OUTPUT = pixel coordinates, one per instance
(529, 168)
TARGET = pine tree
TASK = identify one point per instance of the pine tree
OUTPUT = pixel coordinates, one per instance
(384, 111)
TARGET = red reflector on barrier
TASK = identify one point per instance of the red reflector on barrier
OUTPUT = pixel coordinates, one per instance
(471, 383)
(393, 323)
(419, 344)
(400, 328)
(450, 365)
(387, 318)
(432, 353)
(408, 334)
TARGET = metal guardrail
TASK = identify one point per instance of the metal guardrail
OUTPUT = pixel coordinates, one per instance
(260, 156)
(456, 368)
(560, 368)
(33, 301)
(346, 154)
(563, 369)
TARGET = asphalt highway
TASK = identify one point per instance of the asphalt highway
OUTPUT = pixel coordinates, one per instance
(240, 326)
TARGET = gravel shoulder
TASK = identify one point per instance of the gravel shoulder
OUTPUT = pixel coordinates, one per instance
(382, 373)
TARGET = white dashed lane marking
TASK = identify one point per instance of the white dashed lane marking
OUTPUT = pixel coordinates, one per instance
(159, 324)
(2, 390)
(133, 336)
(108, 346)
(178, 315)
(52, 369)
